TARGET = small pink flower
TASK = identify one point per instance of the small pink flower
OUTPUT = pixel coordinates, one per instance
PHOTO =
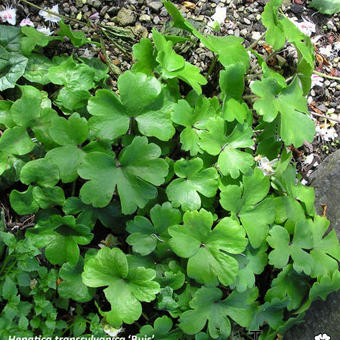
(9, 15)
(26, 22)
(306, 27)
(94, 16)
(316, 80)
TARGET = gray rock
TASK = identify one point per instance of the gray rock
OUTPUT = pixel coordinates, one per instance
(126, 17)
(323, 316)
(96, 4)
(145, 18)
(325, 180)
(155, 5)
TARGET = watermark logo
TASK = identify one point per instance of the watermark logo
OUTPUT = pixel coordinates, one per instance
(322, 337)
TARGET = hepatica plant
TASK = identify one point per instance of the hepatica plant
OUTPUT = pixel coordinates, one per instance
(145, 210)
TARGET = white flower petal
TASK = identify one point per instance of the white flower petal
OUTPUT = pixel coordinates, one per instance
(44, 30)
(8, 15)
(26, 22)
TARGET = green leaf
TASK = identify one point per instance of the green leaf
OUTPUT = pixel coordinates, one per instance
(326, 6)
(62, 249)
(5, 113)
(72, 285)
(144, 101)
(67, 159)
(23, 203)
(138, 92)
(207, 307)
(252, 262)
(144, 53)
(326, 249)
(144, 235)
(194, 120)
(34, 38)
(16, 141)
(12, 67)
(49, 197)
(78, 38)
(72, 75)
(207, 249)
(174, 65)
(27, 109)
(232, 161)
(275, 34)
(235, 110)
(249, 204)
(37, 69)
(110, 119)
(283, 248)
(126, 287)
(10, 38)
(61, 236)
(72, 131)
(41, 172)
(289, 285)
(270, 313)
(70, 99)
(193, 179)
(295, 126)
(161, 330)
(229, 50)
(134, 183)
(232, 81)
(9, 289)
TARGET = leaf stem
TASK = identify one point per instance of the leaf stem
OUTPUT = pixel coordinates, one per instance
(323, 75)
(252, 45)
(212, 65)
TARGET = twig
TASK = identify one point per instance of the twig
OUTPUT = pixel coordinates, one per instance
(323, 75)
(55, 14)
(337, 120)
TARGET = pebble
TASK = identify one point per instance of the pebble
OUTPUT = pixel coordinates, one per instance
(164, 12)
(155, 5)
(297, 9)
(103, 10)
(246, 21)
(331, 26)
(145, 18)
(156, 20)
(126, 17)
(96, 4)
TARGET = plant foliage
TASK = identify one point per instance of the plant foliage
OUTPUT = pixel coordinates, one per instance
(146, 208)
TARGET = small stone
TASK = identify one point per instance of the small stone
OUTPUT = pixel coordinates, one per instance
(164, 12)
(96, 4)
(330, 25)
(244, 32)
(104, 10)
(145, 18)
(155, 6)
(256, 35)
(297, 9)
(126, 17)
(246, 21)
(237, 32)
(200, 18)
(156, 20)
